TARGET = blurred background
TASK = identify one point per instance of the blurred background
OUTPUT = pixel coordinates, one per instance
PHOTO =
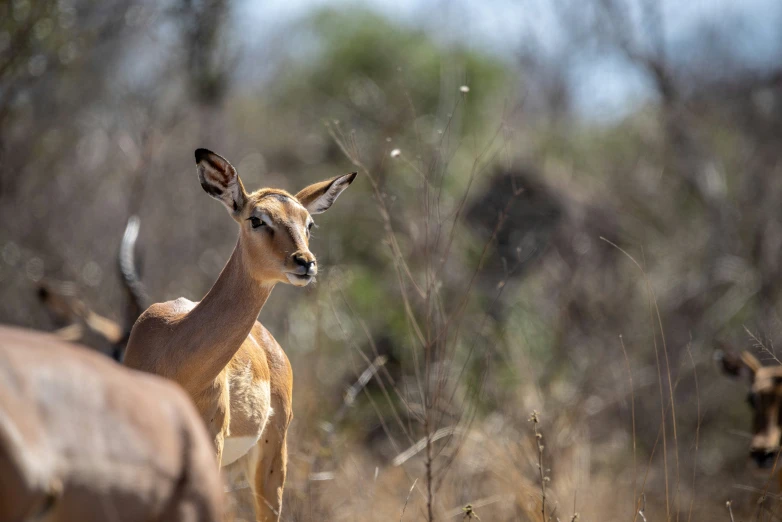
(562, 206)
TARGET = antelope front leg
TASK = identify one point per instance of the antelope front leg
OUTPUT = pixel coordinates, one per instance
(219, 442)
(269, 474)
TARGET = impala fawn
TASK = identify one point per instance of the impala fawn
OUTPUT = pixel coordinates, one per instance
(230, 365)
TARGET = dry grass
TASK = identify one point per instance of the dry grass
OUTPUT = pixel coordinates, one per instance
(445, 460)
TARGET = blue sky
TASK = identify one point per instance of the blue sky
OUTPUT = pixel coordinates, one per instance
(604, 86)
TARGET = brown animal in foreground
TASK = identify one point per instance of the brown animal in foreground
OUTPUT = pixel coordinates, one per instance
(765, 399)
(236, 373)
(84, 439)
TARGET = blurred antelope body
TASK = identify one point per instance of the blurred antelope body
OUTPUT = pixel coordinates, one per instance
(238, 376)
(82, 324)
(82, 438)
(765, 399)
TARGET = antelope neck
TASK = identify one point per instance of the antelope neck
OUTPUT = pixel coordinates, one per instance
(214, 330)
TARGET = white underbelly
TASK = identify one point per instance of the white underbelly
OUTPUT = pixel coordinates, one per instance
(236, 447)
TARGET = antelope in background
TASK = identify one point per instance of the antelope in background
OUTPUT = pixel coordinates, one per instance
(765, 399)
(84, 439)
(81, 322)
(238, 376)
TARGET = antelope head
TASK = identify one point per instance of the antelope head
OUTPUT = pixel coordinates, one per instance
(274, 225)
(765, 399)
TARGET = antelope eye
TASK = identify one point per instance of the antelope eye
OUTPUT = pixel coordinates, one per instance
(256, 222)
(312, 224)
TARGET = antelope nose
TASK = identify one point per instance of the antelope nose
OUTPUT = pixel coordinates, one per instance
(307, 264)
(764, 458)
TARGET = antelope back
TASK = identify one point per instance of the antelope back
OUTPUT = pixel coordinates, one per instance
(82, 438)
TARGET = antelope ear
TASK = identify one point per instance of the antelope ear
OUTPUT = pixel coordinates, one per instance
(734, 365)
(319, 197)
(750, 361)
(220, 180)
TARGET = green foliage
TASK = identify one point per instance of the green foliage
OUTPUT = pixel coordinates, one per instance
(367, 68)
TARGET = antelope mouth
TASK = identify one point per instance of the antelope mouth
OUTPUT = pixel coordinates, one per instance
(299, 279)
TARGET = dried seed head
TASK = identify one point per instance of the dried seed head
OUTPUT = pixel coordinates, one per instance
(396, 153)
(464, 89)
